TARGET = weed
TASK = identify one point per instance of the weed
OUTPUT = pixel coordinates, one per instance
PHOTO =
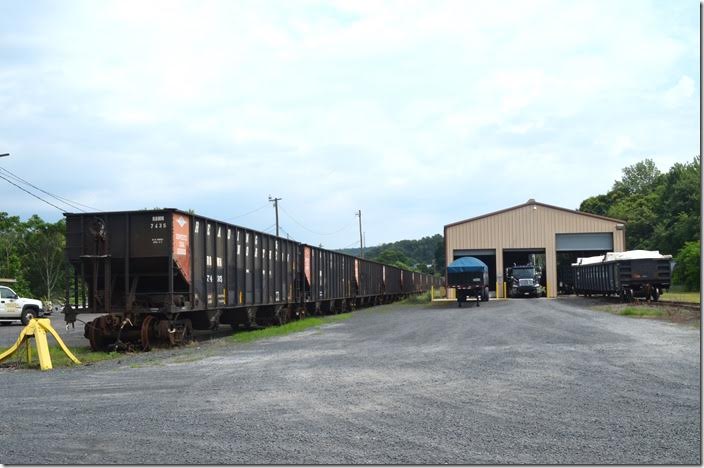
(694, 297)
(642, 312)
(291, 327)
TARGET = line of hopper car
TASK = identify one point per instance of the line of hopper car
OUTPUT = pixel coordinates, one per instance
(158, 274)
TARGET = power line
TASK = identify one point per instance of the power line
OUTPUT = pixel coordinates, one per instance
(61, 199)
(350, 244)
(250, 212)
(35, 196)
(312, 231)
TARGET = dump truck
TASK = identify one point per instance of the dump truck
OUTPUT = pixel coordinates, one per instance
(524, 280)
(470, 278)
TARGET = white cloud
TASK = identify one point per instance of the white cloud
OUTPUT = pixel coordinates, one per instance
(681, 93)
(336, 106)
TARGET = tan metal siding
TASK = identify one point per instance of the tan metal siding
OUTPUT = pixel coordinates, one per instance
(529, 227)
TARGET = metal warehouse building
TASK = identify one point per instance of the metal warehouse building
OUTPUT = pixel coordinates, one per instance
(510, 236)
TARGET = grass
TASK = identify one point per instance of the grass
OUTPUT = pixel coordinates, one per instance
(291, 327)
(423, 298)
(693, 297)
(672, 314)
(636, 311)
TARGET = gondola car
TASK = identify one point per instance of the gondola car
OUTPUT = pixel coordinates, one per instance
(633, 274)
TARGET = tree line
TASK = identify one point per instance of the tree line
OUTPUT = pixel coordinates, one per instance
(32, 253)
(661, 211)
(425, 255)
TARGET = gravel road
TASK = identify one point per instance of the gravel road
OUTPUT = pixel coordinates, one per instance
(520, 381)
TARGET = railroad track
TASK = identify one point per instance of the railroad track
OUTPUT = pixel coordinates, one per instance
(678, 304)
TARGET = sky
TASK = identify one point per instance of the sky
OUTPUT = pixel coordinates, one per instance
(417, 113)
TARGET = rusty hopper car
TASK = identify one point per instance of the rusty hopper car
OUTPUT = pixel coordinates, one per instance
(632, 274)
(159, 274)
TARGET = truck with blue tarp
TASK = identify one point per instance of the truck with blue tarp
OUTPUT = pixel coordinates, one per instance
(470, 278)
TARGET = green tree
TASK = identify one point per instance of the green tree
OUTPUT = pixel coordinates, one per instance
(661, 211)
(598, 205)
(638, 179)
(11, 251)
(393, 256)
(687, 270)
(43, 259)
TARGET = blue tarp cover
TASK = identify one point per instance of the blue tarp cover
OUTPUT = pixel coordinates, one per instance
(467, 264)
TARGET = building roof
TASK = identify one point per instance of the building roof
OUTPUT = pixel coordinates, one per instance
(532, 202)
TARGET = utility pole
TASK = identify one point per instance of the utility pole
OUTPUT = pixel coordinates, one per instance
(276, 208)
(361, 244)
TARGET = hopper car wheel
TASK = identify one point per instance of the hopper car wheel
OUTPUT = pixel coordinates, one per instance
(656, 294)
(147, 332)
(165, 333)
(96, 334)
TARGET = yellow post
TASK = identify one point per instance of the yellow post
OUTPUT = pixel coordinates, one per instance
(432, 293)
(42, 348)
(504, 290)
(38, 328)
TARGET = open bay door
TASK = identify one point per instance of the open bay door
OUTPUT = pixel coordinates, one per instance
(569, 247)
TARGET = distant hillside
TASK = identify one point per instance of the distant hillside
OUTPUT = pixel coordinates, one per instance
(426, 255)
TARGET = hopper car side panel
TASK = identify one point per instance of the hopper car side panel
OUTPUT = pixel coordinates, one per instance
(643, 278)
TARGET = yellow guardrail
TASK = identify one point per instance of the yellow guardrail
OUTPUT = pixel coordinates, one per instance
(37, 329)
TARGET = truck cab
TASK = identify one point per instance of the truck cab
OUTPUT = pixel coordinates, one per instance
(13, 307)
(524, 280)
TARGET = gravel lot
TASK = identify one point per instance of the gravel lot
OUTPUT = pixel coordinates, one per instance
(520, 381)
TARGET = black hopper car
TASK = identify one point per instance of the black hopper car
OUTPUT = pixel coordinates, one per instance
(159, 274)
(633, 274)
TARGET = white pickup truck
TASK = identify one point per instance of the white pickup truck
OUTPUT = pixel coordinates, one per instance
(13, 307)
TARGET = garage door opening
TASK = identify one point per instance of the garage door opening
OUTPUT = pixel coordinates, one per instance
(487, 256)
(569, 247)
(565, 275)
(513, 257)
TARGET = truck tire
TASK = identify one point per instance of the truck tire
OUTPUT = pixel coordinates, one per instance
(28, 314)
